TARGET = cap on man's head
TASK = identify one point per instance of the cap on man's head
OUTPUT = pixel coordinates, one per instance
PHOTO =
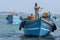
(35, 3)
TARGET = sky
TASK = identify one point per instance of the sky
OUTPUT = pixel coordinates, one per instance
(27, 6)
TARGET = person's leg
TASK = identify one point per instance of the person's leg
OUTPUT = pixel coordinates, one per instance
(35, 16)
(38, 16)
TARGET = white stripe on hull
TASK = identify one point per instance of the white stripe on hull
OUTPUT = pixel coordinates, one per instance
(31, 29)
(44, 29)
(36, 29)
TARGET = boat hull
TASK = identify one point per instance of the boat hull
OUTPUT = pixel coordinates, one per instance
(37, 28)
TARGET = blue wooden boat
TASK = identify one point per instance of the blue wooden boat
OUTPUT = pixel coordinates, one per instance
(13, 19)
(38, 27)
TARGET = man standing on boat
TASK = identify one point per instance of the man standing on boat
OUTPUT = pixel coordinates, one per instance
(36, 11)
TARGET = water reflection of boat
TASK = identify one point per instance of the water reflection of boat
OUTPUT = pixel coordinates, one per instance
(50, 37)
(13, 19)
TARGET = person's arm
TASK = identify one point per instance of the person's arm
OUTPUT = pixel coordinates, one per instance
(35, 8)
(38, 7)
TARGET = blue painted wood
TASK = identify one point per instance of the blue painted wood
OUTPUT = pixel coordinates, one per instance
(14, 19)
(10, 18)
(37, 27)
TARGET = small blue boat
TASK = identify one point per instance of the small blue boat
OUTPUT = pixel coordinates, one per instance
(13, 19)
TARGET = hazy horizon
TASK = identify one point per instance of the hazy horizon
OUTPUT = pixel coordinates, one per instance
(27, 6)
